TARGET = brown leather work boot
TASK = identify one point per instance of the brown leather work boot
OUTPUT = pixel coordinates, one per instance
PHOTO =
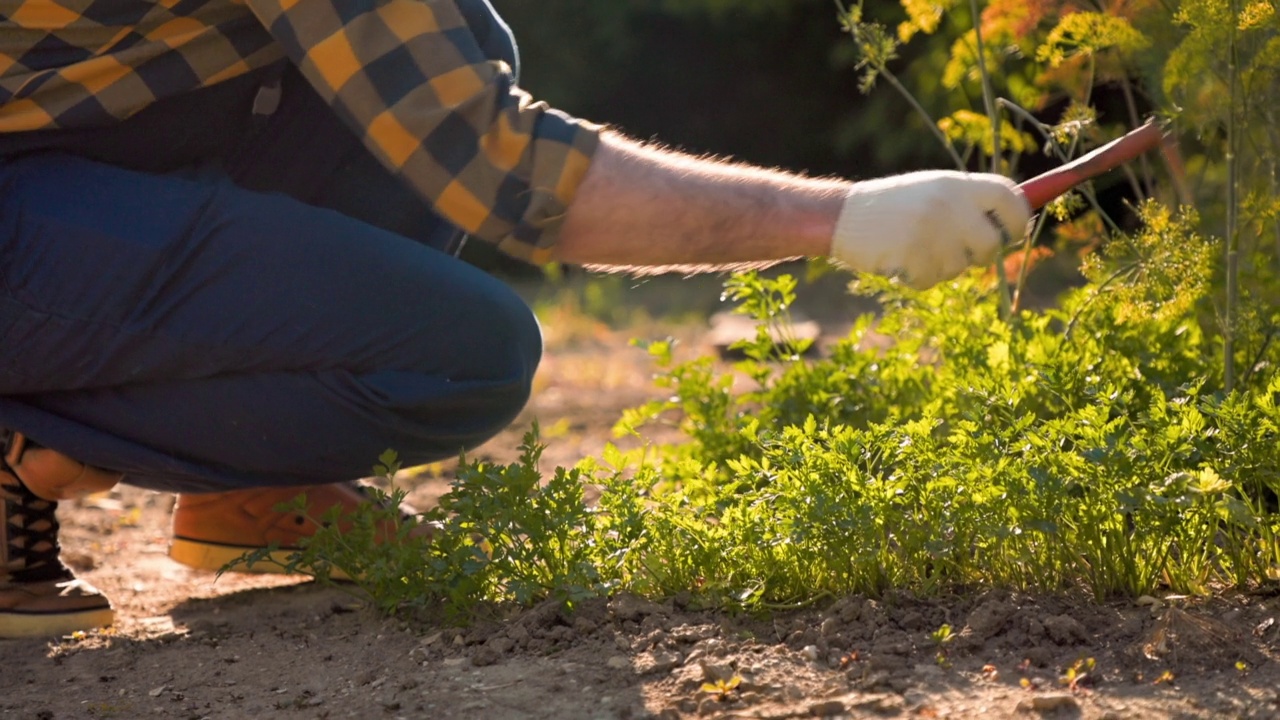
(211, 530)
(38, 594)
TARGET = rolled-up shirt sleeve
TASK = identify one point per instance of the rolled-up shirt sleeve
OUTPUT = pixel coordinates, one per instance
(409, 76)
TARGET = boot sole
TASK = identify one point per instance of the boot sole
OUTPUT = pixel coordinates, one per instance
(204, 555)
(25, 625)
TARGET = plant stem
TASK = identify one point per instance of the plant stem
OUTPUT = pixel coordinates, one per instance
(928, 119)
(882, 69)
(989, 100)
(1143, 190)
(1229, 331)
(1097, 293)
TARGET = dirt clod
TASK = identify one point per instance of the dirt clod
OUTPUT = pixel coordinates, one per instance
(657, 661)
(827, 708)
(1065, 630)
(1048, 703)
(989, 618)
(629, 607)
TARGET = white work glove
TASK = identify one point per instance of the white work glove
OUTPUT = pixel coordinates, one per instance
(925, 227)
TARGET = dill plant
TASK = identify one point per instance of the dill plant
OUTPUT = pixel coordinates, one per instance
(1093, 445)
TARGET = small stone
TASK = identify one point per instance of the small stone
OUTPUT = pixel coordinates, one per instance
(692, 633)
(157, 692)
(829, 628)
(1048, 703)
(716, 646)
(886, 663)
(989, 618)
(827, 708)
(792, 693)
(916, 697)
(712, 672)
(501, 645)
(810, 653)
(1064, 629)
(619, 662)
(454, 662)
(926, 670)
(658, 661)
(584, 626)
(882, 704)
(632, 607)
(484, 656)
(621, 642)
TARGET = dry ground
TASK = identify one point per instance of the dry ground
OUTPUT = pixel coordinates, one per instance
(188, 647)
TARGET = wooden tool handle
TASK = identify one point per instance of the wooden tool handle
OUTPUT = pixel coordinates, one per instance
(1041, 189)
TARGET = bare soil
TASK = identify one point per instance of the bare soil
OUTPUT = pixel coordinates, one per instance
(187, 646)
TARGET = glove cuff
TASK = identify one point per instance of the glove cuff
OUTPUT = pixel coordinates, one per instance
(865, 235)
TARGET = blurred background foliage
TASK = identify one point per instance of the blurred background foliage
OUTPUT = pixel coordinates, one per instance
(781, 83)
(766, 81)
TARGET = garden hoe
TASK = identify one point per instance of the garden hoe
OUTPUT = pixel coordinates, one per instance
(1042, 189)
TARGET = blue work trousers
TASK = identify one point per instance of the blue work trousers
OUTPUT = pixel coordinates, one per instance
(228, 291)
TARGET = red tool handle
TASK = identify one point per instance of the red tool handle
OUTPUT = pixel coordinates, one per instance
(1041, 189)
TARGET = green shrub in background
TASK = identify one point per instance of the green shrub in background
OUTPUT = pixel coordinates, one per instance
(1099, 444)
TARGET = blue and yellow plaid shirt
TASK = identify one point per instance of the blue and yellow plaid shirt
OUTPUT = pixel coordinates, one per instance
(407, 74)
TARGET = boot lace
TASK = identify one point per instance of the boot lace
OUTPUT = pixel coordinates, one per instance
(31, 530)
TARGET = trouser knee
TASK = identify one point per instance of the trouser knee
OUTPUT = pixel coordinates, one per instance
(513, 347)
(487, 375)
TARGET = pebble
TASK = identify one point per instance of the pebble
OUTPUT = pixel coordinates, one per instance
(708, 706)
(692, 633)
(1048, 703)
(1064, 629)
(631, 607)
(826, 708)
(711, 672)
(810, 653)
(501, 644)
(716, 646)
(927, 670)
(658, 661)
(883, 704)
(619, 662)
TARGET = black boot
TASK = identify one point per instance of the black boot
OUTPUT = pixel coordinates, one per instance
(38, 594)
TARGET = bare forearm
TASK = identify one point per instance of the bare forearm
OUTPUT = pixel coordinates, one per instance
(642, 206)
